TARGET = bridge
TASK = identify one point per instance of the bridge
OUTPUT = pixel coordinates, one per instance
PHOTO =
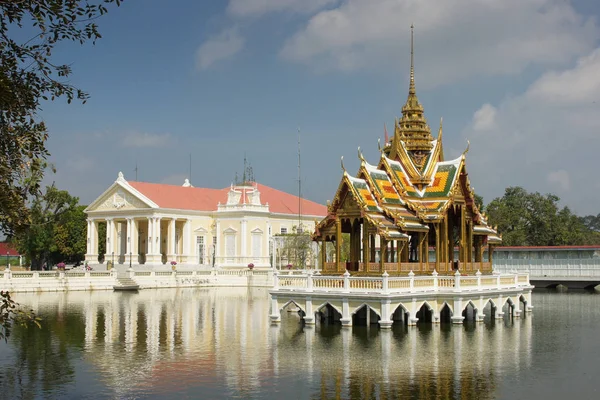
(549, 273)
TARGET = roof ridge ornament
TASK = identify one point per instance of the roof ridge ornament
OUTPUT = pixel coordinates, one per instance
(342, 162)
(360, 156)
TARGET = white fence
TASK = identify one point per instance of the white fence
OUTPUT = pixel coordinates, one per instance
(541, 268)
(33, 281)
(392, 285)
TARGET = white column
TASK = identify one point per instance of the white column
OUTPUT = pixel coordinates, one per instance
(129, 239)
(266, 244)
(218, 233)
(110, 237)
(149, 237)
(244, 252)
(171, 238)
(187, 237)
(157, 237)
(89, 236)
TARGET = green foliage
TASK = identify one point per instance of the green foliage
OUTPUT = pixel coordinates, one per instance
(532, 219)
(13, 314)
(28, 76)
(296, 249)
(56, 220)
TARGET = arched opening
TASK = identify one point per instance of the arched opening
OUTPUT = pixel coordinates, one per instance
(446, 314)
(470, 312)
(365, 316)
(425, 314)
(523, 301)
(327, 314)
(509, 307)
(291, 308)
(490, 310)
(400, 316)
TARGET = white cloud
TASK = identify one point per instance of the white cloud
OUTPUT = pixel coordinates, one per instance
(560, 179)
(454, 38)
(255, 8)
(144, 139)
(484, 118)
(219, 47)
(545, 139)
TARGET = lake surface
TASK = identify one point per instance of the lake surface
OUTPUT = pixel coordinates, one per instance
(218, 343)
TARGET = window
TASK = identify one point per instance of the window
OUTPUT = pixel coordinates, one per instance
(200, 249)
(283, 231)
(230, 247)
(256, 246)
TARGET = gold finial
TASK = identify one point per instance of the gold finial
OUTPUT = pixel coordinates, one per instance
(411, 89)
(467, 149)
(440, 130)
(360, 156)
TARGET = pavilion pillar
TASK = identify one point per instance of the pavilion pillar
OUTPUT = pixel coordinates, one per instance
(382, 253)
(437, 246)
(450, 240)
(490, 254)
(392, 251)
(444, 241)
(425, 249)
(463, 236)
(323, 254)
(420, 237)
(399, 252)
(338, 245)
(372, 248)
(366, 240)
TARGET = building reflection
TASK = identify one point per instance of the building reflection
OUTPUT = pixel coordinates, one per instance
(167, 341)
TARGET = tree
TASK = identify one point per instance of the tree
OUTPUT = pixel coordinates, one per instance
(37, 241)
(70, 234)
(532, 219)
(296, 248)
(29, 76)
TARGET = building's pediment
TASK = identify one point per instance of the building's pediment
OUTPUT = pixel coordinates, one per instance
(118, 198)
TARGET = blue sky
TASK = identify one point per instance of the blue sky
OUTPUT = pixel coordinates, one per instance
(220, 79)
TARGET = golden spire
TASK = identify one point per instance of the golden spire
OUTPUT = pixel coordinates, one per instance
(411, 88)
(412, 128)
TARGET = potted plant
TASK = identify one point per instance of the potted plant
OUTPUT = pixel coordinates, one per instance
(251, 266)
(289, 266)
(60, 266)
(173, 265)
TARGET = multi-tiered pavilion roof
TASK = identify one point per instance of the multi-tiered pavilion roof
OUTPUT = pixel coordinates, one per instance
(411, 199)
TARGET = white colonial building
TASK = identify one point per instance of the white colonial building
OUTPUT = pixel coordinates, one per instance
(155, 224)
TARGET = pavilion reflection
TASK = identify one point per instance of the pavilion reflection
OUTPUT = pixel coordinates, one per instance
(429, 361)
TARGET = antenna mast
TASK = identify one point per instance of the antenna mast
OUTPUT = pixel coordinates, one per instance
(299, 187)
(136, 170)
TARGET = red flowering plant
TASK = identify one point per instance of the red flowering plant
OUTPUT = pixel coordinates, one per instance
(251, 266)
(289, 266)
(173, 263)
(60, 265)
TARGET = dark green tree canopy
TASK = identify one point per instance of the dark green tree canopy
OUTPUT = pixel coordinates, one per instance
(28, 76)
(533, 219)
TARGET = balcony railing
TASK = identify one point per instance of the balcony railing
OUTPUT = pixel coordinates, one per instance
(385, 284)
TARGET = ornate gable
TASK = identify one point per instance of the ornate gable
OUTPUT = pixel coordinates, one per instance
(116, 199)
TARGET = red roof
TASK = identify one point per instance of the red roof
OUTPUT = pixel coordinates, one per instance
(8, 247)
(203, 199)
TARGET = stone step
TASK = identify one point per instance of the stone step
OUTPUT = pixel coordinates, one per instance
(126, 284)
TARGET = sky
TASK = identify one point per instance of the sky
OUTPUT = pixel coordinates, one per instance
(220, 80)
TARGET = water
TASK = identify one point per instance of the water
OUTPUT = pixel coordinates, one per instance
(218, 343)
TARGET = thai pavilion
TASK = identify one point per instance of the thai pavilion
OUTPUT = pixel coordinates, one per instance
(413, 199)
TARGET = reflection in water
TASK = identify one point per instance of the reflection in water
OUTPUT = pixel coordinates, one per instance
(217, 343)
